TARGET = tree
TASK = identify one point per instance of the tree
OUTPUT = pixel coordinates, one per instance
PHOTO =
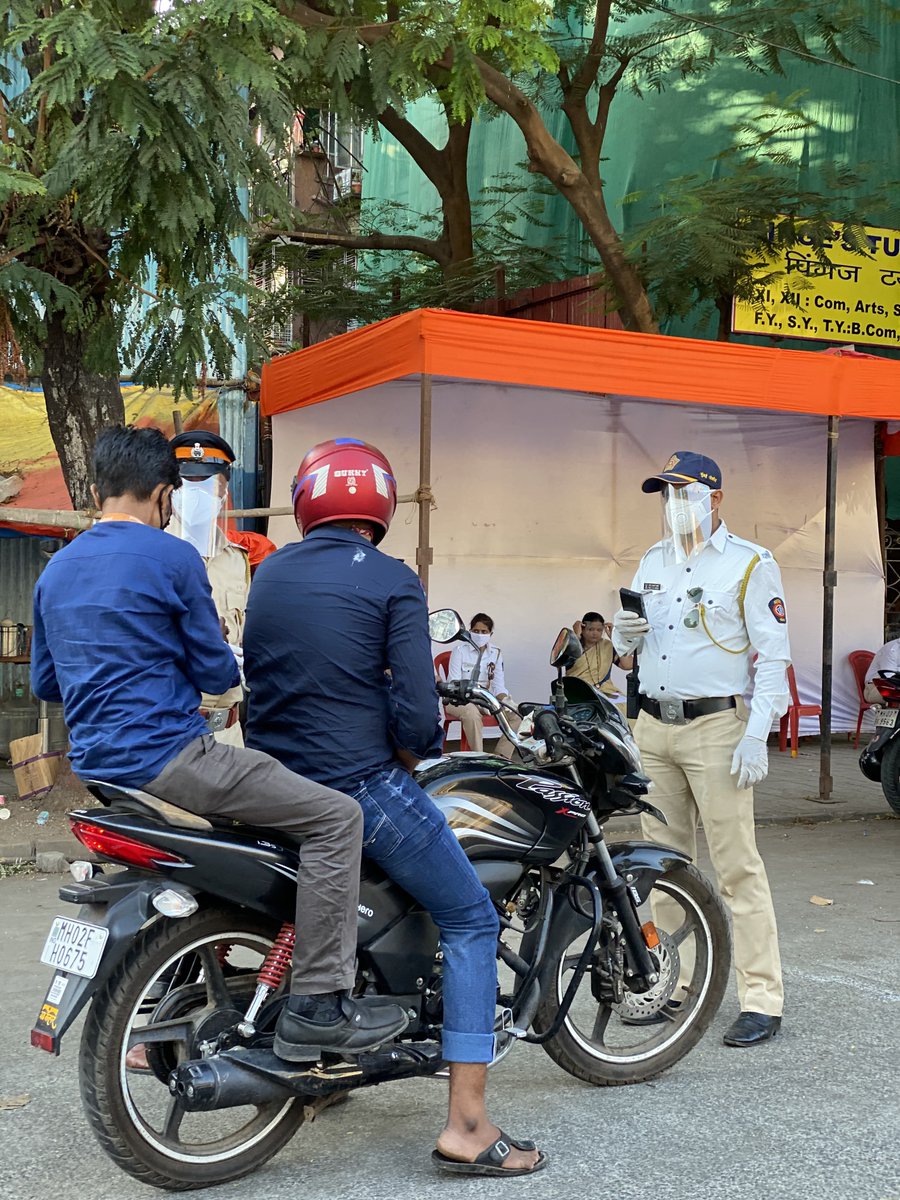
(127, 140)
(718, 237)
(526, 60)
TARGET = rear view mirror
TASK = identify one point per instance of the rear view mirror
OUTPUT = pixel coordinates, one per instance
(567, 650)
(445, 625)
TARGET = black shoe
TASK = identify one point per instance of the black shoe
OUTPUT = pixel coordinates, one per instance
(360, 1027)
(751, 1028)
(668, 1012)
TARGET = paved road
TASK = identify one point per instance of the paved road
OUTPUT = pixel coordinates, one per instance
(812, 1116)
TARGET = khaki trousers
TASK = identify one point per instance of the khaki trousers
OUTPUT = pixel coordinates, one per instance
(469, 716)
(691, 768)
(217, 780)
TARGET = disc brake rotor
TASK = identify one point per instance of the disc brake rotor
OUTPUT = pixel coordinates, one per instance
(668, 964)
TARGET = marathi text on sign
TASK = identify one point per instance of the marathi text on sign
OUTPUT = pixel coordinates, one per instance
(851, 298)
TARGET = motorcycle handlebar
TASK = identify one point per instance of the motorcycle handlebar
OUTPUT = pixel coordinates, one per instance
(547, 726)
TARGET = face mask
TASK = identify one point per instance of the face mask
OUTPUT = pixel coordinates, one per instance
(480, 639)
(197, 508)
(684, 515)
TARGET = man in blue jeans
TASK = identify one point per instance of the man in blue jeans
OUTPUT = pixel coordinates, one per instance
(327, 618)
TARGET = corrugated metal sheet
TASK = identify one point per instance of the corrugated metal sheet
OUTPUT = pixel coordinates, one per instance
(21, 562)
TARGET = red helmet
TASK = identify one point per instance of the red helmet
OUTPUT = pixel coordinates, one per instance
(344, 480)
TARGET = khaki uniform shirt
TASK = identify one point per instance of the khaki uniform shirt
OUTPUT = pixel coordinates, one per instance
(229, 578)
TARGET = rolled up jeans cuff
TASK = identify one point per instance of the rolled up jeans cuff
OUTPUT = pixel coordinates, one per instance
(468, 1047)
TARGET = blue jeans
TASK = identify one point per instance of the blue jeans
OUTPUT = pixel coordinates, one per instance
(408, 836)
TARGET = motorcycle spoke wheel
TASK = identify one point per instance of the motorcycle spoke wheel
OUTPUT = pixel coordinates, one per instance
(201, 974)
(598, 1040)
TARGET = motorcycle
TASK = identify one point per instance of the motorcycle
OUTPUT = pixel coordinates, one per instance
(187, 951)
(880, 760)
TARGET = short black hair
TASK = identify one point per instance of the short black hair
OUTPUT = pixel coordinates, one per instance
(132, 462)
(590, 617)
(482, 619)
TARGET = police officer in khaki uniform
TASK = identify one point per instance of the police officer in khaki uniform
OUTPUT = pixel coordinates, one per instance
(713, 602)
(199, 512)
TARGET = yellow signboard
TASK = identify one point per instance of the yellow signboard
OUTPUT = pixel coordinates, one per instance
(851, 298)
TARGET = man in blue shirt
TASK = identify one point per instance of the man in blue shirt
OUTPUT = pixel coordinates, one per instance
(342, 689)
(127, 637)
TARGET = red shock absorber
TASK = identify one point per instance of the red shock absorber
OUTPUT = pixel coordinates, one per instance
(278, 959)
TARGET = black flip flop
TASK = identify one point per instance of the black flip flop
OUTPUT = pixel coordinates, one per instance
(490, 1161)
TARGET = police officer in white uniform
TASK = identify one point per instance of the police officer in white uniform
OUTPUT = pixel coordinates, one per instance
(482, 664)
(205, 461)
(713, 601)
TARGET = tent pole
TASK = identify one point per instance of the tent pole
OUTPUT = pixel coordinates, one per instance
(829, 580)
(423, 496)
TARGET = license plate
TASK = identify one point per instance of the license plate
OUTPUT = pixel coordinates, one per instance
(74, 946)
(886, 718)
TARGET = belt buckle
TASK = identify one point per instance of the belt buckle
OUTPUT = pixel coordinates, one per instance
(671, 712)
(217, 720)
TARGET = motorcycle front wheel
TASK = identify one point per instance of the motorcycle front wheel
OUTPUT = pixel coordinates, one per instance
(180, 985)
(607, 1042)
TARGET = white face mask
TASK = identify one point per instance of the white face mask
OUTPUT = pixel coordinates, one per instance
(480, 639)
(196, 507)
(689, 511)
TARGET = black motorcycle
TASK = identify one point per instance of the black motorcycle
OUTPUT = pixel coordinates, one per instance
(187, 951)
(880, 760)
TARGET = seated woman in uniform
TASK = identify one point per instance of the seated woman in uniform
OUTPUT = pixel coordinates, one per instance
(599, 658)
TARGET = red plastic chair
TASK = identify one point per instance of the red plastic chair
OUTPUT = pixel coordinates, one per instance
(791, 718)
(860, 661)
(441, 666)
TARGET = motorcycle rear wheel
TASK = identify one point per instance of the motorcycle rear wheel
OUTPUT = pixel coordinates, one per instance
(207, 965)
(593, 1044)
(890, 775)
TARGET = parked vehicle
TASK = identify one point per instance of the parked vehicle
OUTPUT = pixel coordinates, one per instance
(880, 760)
(187, 950)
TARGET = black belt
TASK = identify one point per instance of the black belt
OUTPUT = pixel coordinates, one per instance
(674, 712)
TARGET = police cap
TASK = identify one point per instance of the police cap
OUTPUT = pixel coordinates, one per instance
(686, 467)
(201, 454)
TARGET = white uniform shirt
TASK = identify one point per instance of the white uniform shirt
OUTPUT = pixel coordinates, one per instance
(681, 663)
(464, 660)
(886, 659)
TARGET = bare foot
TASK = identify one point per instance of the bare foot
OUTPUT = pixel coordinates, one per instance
(464, 1145)
(136, 1058)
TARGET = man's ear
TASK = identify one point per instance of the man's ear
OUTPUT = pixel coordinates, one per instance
(715, 500)
(96, 496)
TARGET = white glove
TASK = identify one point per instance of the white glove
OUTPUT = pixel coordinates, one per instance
(238, 652)
(629, 630)
(750, 762)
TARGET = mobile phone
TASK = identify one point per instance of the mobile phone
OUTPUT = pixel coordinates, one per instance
(633, 601)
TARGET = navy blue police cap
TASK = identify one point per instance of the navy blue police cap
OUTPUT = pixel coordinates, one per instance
(686, 467)
(201, 453)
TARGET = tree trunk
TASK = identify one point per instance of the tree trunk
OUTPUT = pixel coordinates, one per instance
(79, 405)
(455, 199)
(724, 306)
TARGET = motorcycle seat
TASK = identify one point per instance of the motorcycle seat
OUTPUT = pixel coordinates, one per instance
(134, 800)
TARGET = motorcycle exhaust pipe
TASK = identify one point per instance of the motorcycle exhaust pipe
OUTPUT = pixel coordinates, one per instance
(213, 1083)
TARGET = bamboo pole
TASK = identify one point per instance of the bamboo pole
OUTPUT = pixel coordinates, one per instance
(829, 580)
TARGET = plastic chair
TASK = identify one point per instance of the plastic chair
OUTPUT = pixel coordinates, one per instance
(860, 661)
(791, 718)
(441, 666)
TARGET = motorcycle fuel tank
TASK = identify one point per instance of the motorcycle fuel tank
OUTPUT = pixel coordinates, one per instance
(503, 811)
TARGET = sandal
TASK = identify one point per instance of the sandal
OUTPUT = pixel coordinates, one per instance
(490, 1161)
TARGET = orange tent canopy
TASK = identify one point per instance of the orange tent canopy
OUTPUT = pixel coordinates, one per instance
(454, 345)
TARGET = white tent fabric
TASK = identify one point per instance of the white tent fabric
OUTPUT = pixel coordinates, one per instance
(540, 514)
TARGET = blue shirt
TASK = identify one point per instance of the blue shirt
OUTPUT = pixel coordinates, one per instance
(126, 636)
(327, 617)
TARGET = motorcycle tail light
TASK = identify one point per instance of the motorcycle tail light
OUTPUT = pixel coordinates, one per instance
(108, 843)
(888, 688)
(42, 1041)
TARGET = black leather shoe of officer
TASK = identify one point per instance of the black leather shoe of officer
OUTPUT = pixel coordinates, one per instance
(668, 1012)
(751, 1028)
(359, 1027)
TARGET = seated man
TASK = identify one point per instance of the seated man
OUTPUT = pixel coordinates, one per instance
(327, 616)
(126, 636)
(886, 659)
(482, 664)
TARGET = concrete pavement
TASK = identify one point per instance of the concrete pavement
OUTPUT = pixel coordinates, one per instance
(812, 1116)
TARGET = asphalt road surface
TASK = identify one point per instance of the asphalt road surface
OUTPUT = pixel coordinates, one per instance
(813, 1115)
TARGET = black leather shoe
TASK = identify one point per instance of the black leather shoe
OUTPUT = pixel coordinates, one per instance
(360, 1027)
(751, 1028)
(668, 1012)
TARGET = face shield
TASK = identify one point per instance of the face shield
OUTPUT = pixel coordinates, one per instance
(199, 512)
(687, 517)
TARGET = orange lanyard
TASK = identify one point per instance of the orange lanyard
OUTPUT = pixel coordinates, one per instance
(120, 517)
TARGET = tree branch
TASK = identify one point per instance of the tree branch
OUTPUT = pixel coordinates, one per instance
(435, 250)
(586, 75)
(426, 156)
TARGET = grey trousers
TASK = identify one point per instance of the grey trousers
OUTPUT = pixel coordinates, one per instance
(213, 779)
